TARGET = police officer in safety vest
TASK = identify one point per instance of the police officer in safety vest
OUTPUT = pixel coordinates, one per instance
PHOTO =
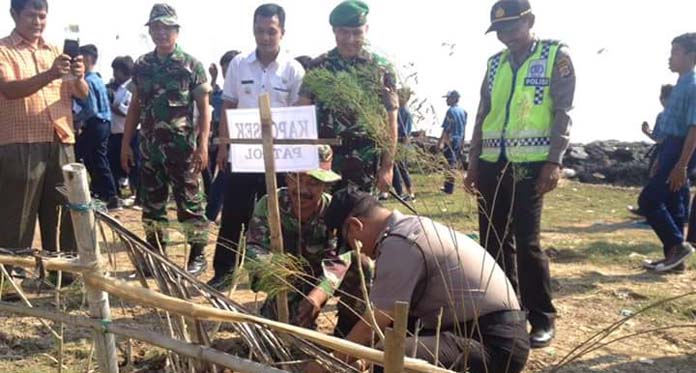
(520, 135)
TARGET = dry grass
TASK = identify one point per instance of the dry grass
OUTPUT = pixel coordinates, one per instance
(597, 249)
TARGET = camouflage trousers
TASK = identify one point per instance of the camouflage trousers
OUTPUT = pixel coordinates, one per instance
(351, 305)
(164, 166)
(357, 167)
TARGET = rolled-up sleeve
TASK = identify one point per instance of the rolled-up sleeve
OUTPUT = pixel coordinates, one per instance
(199, 81)
(562, 93)
(399, 268)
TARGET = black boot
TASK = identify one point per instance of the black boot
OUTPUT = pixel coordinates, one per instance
(157, 238)
(196, 262)
(542, 335)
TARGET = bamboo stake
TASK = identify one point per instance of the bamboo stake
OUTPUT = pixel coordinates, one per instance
(84, 224)
(272, 192)
(50, 264)
(395, 340)
(152, 298)
(190, 350)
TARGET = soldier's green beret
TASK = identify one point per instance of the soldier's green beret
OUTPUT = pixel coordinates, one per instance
(350, 13)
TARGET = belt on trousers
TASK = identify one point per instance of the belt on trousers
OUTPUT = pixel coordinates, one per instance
(493, 318)
(498, 317)
(502, 317)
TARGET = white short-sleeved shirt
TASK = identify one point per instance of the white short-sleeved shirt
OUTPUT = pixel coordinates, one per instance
(246, 79)
(122, 99)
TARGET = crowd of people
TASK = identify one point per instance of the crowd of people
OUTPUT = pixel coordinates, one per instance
(152, 129)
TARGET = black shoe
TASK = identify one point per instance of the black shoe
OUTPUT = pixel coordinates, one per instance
(114, 204)
(651, 264)
(222, 283)
(636, 211)
(541, 337)
(677, 257)
(680, 269)
(146, 273)
(17, 272)
(197, 265)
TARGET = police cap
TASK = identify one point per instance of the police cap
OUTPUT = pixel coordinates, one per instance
(506, 12)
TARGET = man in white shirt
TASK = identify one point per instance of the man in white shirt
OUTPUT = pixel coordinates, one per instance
(265, 70)
(120, 100)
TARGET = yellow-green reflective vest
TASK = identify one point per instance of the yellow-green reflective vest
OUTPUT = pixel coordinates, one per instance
(521, 114)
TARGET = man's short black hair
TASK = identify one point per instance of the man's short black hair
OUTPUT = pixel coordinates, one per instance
(19, 5)
(90, 50)
(123, 64)
(270, 10)
(666, 91)
(228, 57)
(349, 202)
(686, 41)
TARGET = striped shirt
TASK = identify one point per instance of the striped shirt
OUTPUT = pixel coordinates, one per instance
(43, 115)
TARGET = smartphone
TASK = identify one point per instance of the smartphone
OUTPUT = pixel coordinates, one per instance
(71, 48)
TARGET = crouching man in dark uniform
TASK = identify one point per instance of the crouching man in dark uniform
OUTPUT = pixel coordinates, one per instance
(435, 269)
(325, 272)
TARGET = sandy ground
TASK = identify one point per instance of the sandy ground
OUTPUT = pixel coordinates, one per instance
(597, 281)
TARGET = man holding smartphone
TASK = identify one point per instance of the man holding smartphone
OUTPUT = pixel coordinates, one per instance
(36, 132)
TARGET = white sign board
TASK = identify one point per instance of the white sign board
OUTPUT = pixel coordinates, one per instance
(299, 123)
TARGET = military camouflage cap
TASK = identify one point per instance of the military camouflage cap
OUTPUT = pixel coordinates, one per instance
(163, 13)
(506, 13)
(324, 173)
(350, 13)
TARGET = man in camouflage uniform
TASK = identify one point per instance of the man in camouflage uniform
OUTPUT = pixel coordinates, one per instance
(174, 149)
(357, 157)
(302, 204)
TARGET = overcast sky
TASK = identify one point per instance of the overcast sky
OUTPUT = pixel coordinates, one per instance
(620, 47)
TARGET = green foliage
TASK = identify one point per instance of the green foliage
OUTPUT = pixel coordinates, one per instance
(275, 273)
(356, 94)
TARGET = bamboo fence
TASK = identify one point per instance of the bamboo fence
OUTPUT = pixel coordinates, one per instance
(272, 344)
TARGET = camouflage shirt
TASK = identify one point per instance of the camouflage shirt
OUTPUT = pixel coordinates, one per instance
(309, 241)
(167, 88)
(355, 141)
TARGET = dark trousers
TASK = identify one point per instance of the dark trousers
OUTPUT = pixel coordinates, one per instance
(401, 177)
(114, 155)
(93, 144)
(691, 232)
(240, 196)
(29, 176)
(656, 198)
(509, 225)
(452, 156)
(492, 345)
(214, 186)
(134, 176)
